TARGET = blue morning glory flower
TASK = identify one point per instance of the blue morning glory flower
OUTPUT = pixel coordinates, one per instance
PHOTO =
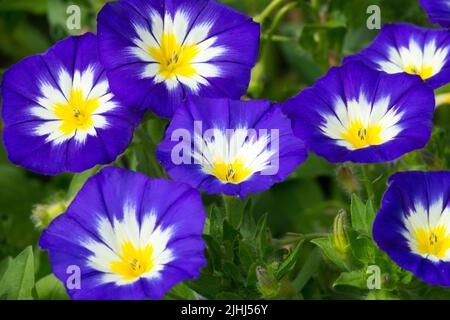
(413, 224)
(163, 50)
(230, 147)
(59, 112)
(438, 11)
(131, 237)
(414, 50)
(358, 114)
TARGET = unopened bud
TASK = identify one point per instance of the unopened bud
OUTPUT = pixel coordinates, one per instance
(267, 283)
(346, 177)
(442, 99)
(256, 85)
(43, 214)
(340, 240)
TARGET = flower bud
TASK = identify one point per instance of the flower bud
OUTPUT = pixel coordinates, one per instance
(256, 85)
(442, 99)
(267, 283)
(347, 179)
(43, 214)
(340, 240)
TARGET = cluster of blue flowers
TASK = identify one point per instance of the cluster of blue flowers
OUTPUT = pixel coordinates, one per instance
(77, 105)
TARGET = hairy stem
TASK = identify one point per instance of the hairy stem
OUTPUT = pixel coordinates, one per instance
(268, 10)
(367, 181)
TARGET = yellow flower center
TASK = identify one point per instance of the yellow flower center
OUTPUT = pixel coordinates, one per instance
(433, 241)
(76, 113)
(174, 58)
(133, 261)
(235, 172)
(361, 136)
(423, 71)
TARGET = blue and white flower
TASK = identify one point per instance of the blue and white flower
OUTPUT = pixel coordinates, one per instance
(130, 237)
(405, 48)
(163, 51)
(413, 224)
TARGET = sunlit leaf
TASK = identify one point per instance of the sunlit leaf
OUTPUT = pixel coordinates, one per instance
(18, 280)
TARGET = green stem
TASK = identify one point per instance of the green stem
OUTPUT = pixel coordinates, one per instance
(286, 241)
(312, 236)
(278, 38)
(257, 82)
(297, 237)
(234, 209)
(366, 180)
(279, 16)
(268, 10)
(228, 202)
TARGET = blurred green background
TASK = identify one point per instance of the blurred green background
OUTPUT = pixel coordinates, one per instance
(298, 46)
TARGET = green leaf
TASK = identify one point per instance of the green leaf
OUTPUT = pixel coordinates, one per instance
(142, 151)
(331, 253)
(180, 292)
(51, 288)
(251, 277)
(79, 180)
(248, 226)
(323, 41)
(289, 263)
(4, 266)
(299, 60)
(262, 236)
(228, 296)
(18, 281)
(229, 249)
(362, 215)
(246, 255)
(229, 232)
(235, 208)
(215, 222)
(231, 271)
(37, 259)
(358, 213)
(381, 295)
(406, 277)
(207, 285)
(309, 268)
(353, 278)
(361, 246)
(213, 252)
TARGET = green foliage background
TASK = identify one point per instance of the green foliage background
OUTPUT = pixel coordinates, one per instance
(279, 244)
